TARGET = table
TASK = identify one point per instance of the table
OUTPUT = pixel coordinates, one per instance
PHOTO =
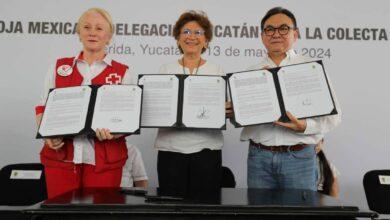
(226, 203)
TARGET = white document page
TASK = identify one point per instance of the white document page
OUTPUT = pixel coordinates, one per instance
(66, 111)
(118, 108)
(305, 90)
(160, 98)
(254, 97)
(204, 102)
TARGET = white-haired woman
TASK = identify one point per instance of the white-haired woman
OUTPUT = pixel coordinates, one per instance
(72, 163)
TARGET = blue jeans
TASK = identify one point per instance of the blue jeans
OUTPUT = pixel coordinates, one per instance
(282, 170)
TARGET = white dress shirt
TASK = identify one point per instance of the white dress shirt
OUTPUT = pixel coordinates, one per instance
(274, 135)
(134, 169)
(84, 151)
(189, 140)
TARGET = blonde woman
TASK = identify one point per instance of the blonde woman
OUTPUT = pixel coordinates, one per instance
(72, 163)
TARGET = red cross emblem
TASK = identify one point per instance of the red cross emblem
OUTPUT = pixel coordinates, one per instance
(113, 79)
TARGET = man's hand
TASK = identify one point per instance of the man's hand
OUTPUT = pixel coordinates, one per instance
(295, 124)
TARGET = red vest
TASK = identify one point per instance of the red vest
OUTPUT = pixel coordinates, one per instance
(109, 154)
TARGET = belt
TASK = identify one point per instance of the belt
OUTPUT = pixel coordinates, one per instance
(283, 148)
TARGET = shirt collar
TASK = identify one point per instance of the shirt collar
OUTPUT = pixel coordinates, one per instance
(289, 55)
(107, 59)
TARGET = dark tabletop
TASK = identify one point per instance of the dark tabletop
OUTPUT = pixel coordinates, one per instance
(225, 201)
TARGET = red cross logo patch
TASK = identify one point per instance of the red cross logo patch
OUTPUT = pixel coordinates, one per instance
(113, 79)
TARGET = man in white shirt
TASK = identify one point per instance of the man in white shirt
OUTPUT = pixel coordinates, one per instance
(133, 172)
(281, 155)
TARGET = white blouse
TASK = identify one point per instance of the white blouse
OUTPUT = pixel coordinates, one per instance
(189, 140)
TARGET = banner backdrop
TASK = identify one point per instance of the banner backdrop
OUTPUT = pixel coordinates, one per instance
(351, 37)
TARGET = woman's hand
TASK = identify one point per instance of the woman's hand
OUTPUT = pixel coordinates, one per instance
(54, 143)
(103, 134)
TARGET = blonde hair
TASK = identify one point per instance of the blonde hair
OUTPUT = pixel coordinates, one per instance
(100, 11)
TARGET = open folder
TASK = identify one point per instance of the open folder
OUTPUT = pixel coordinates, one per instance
(263, 96)
(183, 101)
(80, 110)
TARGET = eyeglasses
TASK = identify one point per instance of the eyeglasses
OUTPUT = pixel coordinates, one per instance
(282, 30)
(188, 32)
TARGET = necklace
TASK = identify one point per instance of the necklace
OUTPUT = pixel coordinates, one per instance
(197, 68)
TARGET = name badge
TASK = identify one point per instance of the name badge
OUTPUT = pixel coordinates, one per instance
(26, 174)
(384, 180)
(64, 70)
